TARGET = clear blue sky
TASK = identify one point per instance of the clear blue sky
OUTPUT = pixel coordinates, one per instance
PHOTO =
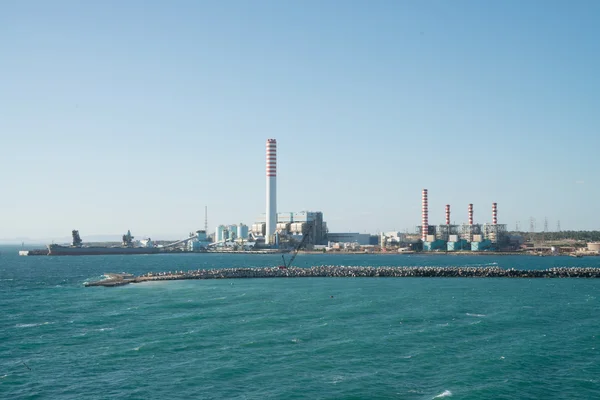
(120, 115)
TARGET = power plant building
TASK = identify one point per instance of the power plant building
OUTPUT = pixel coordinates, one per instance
(294, 225)
(469, 236)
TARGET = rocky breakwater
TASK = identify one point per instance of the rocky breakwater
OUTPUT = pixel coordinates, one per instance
(113, 279)
(327, 271)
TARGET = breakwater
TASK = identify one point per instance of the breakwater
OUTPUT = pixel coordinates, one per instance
(115, 279)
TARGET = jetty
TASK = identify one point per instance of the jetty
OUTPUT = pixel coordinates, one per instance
(328, 271)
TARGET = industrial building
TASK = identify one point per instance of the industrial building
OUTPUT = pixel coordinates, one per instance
(199, 243)
(231, 232)
(392, 239)
(362, 239)
(469, 236)
(293, 226)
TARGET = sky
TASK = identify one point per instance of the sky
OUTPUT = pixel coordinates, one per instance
(119, 115)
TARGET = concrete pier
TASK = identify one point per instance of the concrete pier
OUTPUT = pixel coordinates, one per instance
(348, 272)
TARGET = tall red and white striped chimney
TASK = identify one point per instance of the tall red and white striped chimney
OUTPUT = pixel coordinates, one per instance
(447, 214)
(271, 216)
(424, 215)
(470, 214)
(494, 213)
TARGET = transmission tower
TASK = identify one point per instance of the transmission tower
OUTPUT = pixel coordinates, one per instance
(517, 227)
(545, 230)
(531, 228)
(558, 226)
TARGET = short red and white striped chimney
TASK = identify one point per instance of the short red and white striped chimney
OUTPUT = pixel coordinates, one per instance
(470, 214)
(424, 215)
(447, 214)
(494, 213)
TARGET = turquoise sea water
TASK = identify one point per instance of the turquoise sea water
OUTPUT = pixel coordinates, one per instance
(330, 338)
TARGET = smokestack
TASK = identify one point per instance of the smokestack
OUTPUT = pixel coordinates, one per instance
(494, 213)
(271, 219)
(470, 214)
(424, 221)
(447, 214)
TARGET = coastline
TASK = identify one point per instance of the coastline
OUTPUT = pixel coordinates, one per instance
(442, 253)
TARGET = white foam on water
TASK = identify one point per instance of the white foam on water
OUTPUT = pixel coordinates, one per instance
(476, 315)
(3, 376)
(104, 329)
(32, 325)
(445, 393)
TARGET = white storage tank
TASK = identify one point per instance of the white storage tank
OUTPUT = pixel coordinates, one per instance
(220, 233)
(242, 231)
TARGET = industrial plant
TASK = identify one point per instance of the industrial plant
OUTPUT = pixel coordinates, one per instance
(469, 236)
(284, 231)
(273, 229)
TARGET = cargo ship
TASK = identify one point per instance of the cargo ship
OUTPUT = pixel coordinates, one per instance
(77, 248)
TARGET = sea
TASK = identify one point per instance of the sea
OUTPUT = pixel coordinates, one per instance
(295, 338)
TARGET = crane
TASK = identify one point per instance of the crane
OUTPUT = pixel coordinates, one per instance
(302, 242)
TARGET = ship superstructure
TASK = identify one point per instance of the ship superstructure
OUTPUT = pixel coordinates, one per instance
(78, 248)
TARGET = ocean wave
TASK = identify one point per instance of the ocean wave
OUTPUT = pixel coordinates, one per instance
(32, 325)
(476, 315)
(445, 393)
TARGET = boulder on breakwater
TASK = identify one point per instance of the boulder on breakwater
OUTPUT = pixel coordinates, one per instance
(331, 271)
